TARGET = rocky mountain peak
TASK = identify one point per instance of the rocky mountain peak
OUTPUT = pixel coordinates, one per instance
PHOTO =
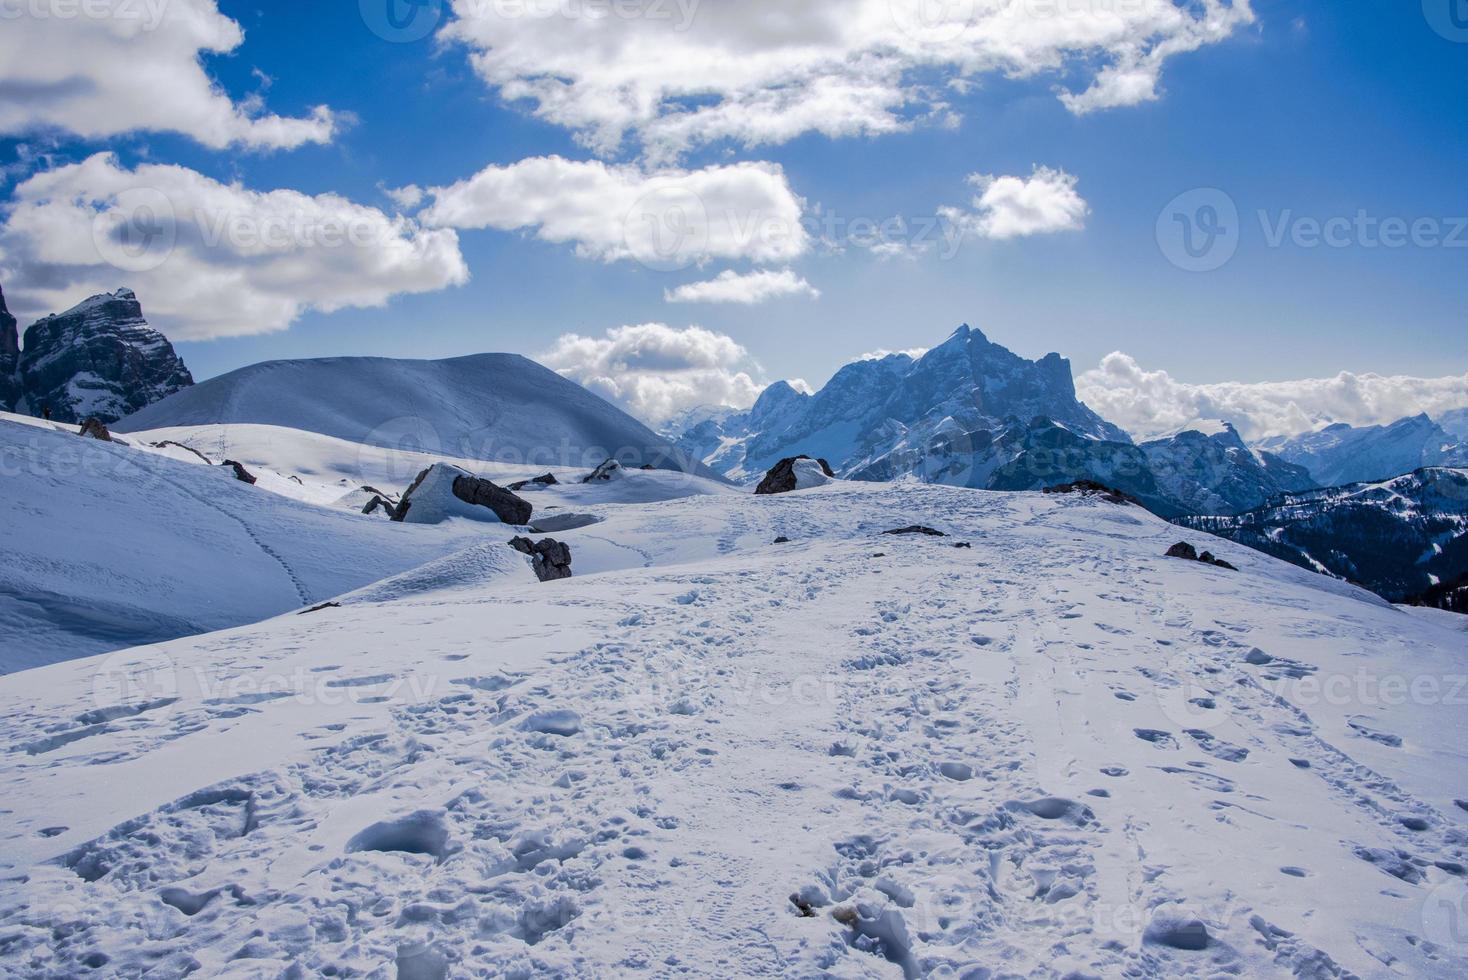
(100, 359)
(9, 339)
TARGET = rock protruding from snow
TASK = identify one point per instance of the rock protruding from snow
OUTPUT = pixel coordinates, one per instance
(10, 387)
(550, 558)
(99, 359)
(94, 429)
(563, 522)
(608, 471)
(548, 480)
(917, 529)
(240, 473)
(443, 491)
(796, 473)
(1090, 488)
(1187, 552)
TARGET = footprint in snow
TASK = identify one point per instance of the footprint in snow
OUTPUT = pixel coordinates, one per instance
(1161, 739)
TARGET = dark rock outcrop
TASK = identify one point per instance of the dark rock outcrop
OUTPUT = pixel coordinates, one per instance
(1090, 488)
(548, 480)
(551, 558)
(1187, 552)
(563, 522)
(782, 477)
(917, 529)
(93, 429)
(482, 493)
(240, 473)
(608, 471)
(10, 387)
(380, 503)
(99, 359)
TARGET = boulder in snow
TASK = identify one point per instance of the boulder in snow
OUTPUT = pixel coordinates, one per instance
(608, 471)
(796, 473)
(240, 473)
(547, 480)
(917, 529)
(94, 429)
(551, 558)
(1187, 552)
(563, 522)
(443, 491)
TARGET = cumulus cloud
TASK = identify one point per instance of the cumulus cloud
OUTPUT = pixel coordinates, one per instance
(1013, 207)
(1151, 403)
(209, 259)
(749, 289)
(676, 74)
(655, 371)
(668, 219)
(106, 67)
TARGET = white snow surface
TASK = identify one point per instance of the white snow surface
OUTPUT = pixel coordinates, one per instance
(1055, 753)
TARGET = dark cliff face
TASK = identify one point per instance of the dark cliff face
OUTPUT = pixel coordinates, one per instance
(10, 389)
(99, 359)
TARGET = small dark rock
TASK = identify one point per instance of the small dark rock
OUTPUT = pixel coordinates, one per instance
(378, 502)
(551, 558)
(608, 471)
(1183, 550)
(240, 473)
(781, 477)
(482, 493)
(963, 544)
(917, 529)
(1090, 488)
(548, 480)
(324, 605)
(94, 429)
(782, 540)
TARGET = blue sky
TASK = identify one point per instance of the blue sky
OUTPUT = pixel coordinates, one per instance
(1315, 110)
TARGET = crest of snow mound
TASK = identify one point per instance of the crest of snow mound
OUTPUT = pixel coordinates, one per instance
(443, 491)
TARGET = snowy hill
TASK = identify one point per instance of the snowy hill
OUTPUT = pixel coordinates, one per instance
(492, 407)
(1396, 537)
(850, 755)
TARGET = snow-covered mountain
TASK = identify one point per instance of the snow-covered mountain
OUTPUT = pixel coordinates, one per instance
(1214, 472)
(885, 414)
(493, 407)
(1053, 752)
(1342, 454)
(1396, 537)
(100, 359)
(971, 413)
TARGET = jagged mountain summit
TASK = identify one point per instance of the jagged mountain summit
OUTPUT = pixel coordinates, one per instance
(1398, 537)
(10, 386)
(891, 414)
(100, 359)
(1342, 454)
(493, 407)
(1214, 472)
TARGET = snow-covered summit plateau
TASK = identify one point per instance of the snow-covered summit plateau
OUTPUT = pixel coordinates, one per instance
(1053, 752)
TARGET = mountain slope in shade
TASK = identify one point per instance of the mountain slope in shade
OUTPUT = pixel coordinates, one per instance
(1216, 473)
(494, 407)
(100, 359)
(1342, 454)
(1398, 537)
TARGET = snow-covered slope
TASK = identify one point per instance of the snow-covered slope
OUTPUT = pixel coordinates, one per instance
(106, 546)
(1054, 753)
(493, 407)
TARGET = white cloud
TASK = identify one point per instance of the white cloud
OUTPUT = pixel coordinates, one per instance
(1150, 403)
(105, 67)
(408, 198)
(749, 289)
(655, 371)
(670, 219)
(209, 259)
(677, 74)
(1013, 207)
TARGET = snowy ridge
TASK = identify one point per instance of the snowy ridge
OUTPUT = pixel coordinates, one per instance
(1055, 750)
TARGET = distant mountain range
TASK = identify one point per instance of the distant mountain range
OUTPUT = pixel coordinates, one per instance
(1398, 537)
(1340, 454)
(100, 359)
